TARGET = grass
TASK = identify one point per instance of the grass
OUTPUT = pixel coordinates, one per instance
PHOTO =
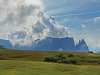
(13, 67)
(31, 63)
(82, 58)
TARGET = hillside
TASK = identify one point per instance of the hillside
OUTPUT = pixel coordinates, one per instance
(21, 62)
(82, 58)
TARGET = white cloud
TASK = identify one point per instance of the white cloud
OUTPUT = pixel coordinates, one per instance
(83, 26)
(55, 11)
(24, 22)
(93, 43)
(63, 21)
(97, 19)
(78, 14)
(89, 20)
(94, 20)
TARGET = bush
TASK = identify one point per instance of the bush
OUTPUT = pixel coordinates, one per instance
(70, 55)
(47, 59)
(73, 61)
(53, 59)
(2, 58)
(98, 62)
(82, 57)
(50, 59)
(66, 61)
(58, 61)
(58, 57)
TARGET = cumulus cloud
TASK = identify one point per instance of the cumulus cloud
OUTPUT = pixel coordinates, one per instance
(25, 22)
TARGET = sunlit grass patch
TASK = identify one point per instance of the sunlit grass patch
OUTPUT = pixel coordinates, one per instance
(11, 67)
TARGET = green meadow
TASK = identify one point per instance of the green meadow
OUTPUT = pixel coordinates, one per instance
(13, 67)
(19, 62)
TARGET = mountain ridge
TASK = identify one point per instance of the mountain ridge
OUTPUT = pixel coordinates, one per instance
(51, 44)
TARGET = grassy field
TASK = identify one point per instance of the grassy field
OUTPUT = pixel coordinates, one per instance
(13, 67)
(82, 58)
(31, 63)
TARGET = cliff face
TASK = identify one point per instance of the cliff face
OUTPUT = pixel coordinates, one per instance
(55, 44)
(61, 44)
(51, 44)
(82, 46)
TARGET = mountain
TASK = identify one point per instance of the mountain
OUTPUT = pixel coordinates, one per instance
(61, 44)
(5, 43)
(51, 44)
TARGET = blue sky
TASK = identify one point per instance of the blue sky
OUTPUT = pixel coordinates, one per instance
(82, 17)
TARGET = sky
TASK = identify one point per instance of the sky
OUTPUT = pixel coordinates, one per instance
(82, 17)
(23, 21)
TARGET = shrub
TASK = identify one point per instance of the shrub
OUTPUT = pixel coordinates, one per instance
(73, 61)
(2, 58)
(47, 59)
(70, 55)
(98, 62)
(66, 61)
(60, 57)
(53, 59)
(50, 59)
(57, 58)
(58, 61)
(82, 57)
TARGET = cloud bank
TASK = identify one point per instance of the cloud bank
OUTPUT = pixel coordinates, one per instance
(24, 22)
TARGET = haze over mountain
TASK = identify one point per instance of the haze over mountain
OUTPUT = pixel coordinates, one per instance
(51, 44)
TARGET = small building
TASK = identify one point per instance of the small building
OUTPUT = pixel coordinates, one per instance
(1, 46)
(90, 51)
